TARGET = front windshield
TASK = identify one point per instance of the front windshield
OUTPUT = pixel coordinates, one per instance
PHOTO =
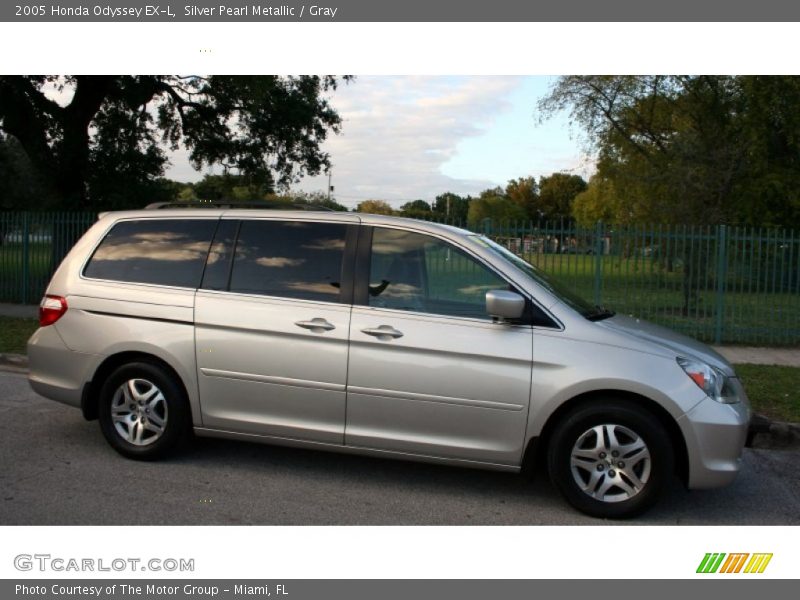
(558, 289)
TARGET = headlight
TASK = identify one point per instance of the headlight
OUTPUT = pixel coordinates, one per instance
(713, 382)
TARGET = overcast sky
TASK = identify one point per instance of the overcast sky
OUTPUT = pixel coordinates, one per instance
(405, 138)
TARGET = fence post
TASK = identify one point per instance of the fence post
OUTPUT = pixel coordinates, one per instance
(26, 251)
(719, 316)
(598, 262)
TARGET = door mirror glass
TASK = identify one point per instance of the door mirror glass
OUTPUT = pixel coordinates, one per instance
(504, 305)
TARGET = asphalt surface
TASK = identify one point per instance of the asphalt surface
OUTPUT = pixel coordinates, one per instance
(56, 469)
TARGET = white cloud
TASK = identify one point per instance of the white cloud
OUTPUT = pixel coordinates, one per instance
(397, 132)
(400, 136)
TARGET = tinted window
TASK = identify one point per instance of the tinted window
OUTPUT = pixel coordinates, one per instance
(163, 252)
(289, 259)
(548, 282)
(219, 256)
(415, 272)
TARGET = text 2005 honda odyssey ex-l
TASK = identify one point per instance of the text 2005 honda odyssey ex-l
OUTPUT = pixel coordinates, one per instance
(381, 336)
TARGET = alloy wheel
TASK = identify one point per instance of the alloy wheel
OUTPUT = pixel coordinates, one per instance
(139, 412)
(610, 463)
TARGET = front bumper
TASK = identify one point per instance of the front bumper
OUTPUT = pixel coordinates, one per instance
(715, 435)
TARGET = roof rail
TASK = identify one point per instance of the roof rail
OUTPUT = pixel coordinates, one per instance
(263, 204)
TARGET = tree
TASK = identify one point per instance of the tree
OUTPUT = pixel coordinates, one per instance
(312, 199)
(18, 181)
(227, 186)
(524, 192)
(698, 150)
(416, 209)
(451, 207)
(187, 194)
(599, 202)
(109, 128)
(557, 193)
(692, 149)
(376, 207)
(493, 204)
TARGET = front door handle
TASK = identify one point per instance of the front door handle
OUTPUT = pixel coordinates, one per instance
(317, 325)
(383, 332)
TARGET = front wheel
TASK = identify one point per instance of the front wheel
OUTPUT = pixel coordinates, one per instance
(143, 411)
(610, 459)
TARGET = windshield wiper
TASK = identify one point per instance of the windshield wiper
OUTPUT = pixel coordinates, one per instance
(599, 313)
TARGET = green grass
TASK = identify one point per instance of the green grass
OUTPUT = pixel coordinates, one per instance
(12, 274)
(774, 391)
(14, 334)
(756, 311)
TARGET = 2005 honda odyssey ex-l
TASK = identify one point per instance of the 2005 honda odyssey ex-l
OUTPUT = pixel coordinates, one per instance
(376, 335)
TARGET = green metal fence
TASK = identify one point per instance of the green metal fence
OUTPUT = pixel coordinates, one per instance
(716, 283)
(719, 284)
(32, 245)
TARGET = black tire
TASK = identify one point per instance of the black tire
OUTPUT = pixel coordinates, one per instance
(626, 422)
(172, 408)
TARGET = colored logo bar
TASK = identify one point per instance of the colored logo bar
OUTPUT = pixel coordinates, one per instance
(737, 562)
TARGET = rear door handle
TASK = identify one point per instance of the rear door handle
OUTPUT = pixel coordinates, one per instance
(317, 325)
(383, 332)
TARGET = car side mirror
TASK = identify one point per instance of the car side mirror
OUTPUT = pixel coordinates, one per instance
(504, 305)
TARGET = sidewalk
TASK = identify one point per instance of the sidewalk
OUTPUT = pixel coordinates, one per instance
(20, 311)
(789, 357)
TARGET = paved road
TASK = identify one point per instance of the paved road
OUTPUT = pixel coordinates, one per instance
(56, 468)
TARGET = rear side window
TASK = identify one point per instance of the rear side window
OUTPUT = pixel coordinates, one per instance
(215, 276)
(289, 260)
(161, 252)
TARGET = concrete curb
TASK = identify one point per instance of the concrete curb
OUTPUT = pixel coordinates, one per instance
(14, 363)
(765, 433)
(773, 435)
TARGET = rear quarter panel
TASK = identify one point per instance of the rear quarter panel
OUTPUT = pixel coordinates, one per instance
(105, 318)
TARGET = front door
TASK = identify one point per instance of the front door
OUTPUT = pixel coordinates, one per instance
(429, 372)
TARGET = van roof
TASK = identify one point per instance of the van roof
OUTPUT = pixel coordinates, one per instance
(256, 210)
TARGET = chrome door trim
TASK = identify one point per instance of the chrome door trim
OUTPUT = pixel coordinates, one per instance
(490, 404)
(288, 381)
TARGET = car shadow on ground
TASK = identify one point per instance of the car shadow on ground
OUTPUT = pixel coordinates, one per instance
(495, 497)
(230, 482)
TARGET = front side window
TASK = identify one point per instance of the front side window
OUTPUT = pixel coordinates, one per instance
(156, 251)
(289, 259)
(420, 273)
(548, 282)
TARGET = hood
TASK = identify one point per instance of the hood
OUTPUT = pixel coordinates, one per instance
(673, 342)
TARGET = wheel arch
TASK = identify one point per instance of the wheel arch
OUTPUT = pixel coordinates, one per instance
(536, 448)
(91, 390)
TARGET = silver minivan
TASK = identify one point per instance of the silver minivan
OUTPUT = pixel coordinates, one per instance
(377, 335)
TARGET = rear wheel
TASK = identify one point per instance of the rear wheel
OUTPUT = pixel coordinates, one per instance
(610, 459)
(143, 412)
